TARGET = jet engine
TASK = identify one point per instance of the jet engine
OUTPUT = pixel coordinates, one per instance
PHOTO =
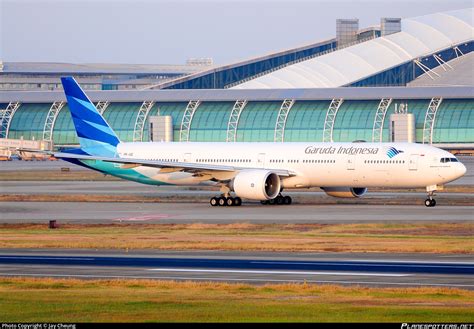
(345, 192)
(256, 184)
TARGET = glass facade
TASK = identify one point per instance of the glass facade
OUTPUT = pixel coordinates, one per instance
(257, 122)
(226, 76)
(390, 25)
(28, 121)
(406, 72)
(175, 110)
(346, 31)
(305, 122)
(454, 122)
(210, 122)
(64, 132)
(354, 121)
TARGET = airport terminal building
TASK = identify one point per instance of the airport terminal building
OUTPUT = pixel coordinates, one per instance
(409, 80)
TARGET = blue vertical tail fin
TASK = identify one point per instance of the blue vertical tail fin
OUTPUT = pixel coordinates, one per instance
(94, 133)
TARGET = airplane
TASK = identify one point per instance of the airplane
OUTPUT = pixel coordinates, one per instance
(256, 171)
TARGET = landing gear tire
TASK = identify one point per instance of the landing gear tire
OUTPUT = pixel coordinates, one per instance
(279, 200)
(221, 201)
(430, 202)
(229, 202)
(225, 202)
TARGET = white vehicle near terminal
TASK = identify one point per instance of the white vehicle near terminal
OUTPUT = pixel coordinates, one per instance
(256, 171)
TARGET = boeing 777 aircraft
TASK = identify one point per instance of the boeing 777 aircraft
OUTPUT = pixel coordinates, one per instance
(256, 171)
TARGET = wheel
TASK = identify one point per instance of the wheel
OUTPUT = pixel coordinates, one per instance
(271, 201)
(237, 201)
(221, 201)
(264, 201)
(429, 203)
(433, 202)
(213, 202)
(229, 202)
(279, 200)
(287, 199)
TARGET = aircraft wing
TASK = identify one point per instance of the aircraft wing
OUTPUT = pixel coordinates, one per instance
(173, 166)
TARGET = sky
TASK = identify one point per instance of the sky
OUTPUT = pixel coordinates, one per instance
(169, 32)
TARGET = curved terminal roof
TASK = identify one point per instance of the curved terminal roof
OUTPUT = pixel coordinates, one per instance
(420, 36)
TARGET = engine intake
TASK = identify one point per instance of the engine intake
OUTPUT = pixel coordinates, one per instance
(345, 192)
(256, 184)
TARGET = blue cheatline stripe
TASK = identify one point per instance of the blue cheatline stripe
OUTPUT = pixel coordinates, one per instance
(104, 129)
(86, 131)
(81, 112)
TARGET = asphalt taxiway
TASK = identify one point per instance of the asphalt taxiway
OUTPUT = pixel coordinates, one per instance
(259, 268)
(110, 212)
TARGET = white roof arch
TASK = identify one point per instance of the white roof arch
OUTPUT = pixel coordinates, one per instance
(420, 36)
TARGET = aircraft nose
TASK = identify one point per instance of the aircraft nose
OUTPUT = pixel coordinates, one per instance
(462, 170)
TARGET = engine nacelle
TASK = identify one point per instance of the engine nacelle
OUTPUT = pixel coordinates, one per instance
(345, 192)
(256, 184)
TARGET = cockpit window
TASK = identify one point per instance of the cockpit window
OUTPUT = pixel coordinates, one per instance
(444, 160)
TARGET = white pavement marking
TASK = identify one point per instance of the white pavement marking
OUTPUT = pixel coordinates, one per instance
(358, 263)
(44, 258)
(237, 280)
(275, 272)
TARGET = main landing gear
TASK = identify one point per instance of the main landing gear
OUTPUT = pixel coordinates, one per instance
(430, 202)
(279, 200)
(225, 201)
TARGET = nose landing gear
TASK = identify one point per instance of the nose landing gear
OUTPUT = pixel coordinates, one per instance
(430, 202)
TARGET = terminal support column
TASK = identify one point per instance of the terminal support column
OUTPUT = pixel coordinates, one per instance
(140, 121)
(7, 117)
(279, 135)
(379, 119)
(187, 120)
(102, 106)
(430, 117)
(51, 119)
(234, 120)
(331, 119)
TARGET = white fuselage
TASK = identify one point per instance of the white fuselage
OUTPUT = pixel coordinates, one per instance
(310, 164)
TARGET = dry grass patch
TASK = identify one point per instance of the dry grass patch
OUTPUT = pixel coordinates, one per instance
(373, 237)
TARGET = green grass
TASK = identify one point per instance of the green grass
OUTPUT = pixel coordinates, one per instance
(68, 300)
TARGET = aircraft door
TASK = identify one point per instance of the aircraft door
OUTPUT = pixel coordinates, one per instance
(187, 157)
(350, 164)
(413, 162)
(261, 160)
